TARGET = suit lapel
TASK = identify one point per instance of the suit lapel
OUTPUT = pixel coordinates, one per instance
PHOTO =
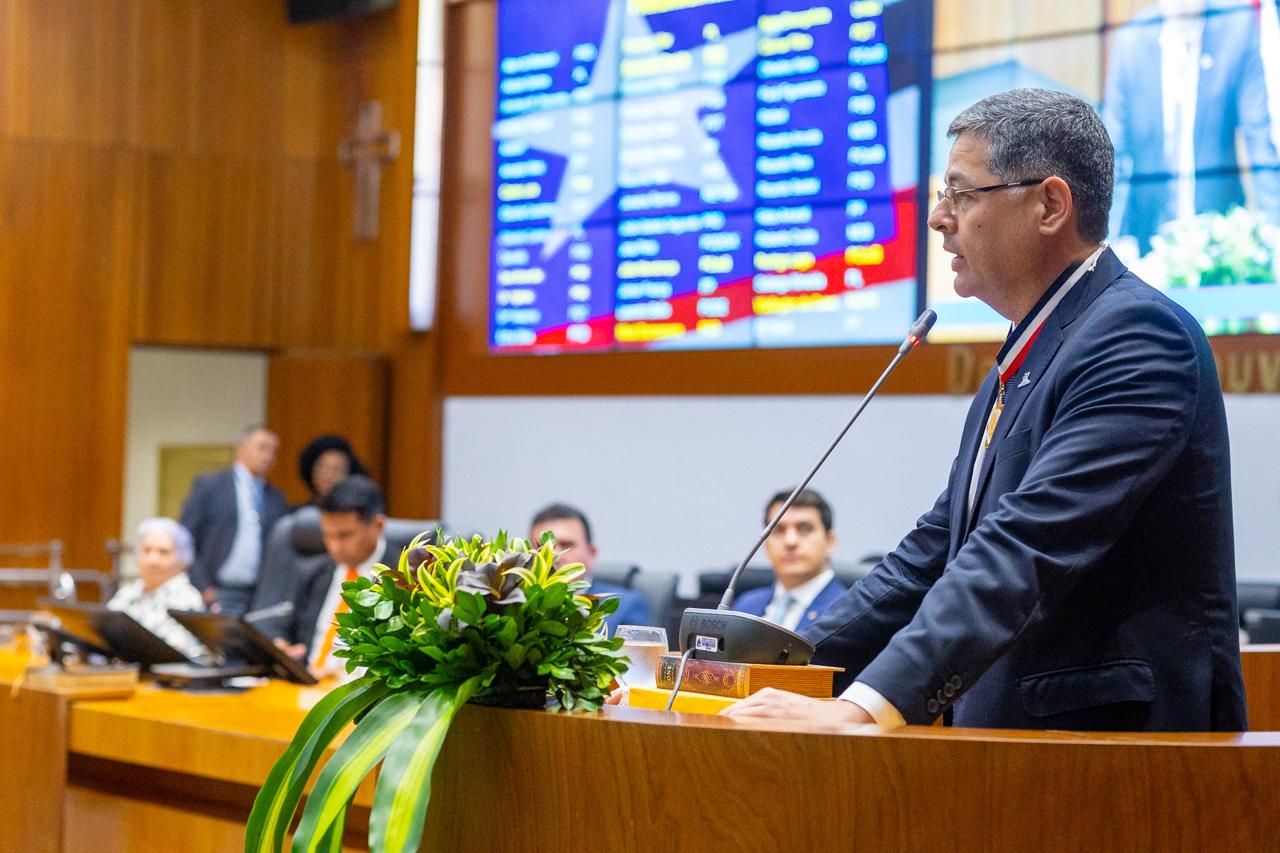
(1039, 357)
(1020, 388)
(833, 590)
(974, 427)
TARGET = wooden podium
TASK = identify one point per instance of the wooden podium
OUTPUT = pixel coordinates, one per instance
(164, 770)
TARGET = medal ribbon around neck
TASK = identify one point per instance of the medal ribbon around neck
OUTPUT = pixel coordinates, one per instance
(1008, 366)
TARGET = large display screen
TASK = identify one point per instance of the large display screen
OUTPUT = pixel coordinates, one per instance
(1190, 93)
(748, 173)
(684, 173)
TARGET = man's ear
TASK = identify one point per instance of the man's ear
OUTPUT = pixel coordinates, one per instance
(1057, 206)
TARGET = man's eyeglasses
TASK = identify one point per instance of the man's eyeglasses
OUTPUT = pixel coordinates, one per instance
(950, 194)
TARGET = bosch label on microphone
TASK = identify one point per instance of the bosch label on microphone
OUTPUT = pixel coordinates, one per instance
(706, 644)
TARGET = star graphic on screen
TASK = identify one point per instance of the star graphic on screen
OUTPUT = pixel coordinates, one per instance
(651, 136)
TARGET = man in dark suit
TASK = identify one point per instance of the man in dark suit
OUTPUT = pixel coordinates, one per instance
(352, 517)
(799, 549)
(572, 531)
(229, 514)
(1077, 572)
(1184, 79)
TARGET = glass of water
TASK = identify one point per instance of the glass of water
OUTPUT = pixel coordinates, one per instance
(645, 646)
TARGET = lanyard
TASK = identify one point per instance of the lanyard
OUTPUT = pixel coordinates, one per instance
(1017, 354)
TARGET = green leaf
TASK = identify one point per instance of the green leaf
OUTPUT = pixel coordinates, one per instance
(394, 644)
(514, 656)
(555, 629)
(353, 760)
(275, 804)
(368, 597)
(555, 596)
(383, 609)
(404, 783)
(332, 842)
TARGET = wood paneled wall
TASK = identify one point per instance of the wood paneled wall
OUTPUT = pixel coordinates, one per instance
(67, 238)
(309, 394)
(169, 175)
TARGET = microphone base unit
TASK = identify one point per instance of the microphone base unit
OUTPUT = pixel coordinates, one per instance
(726, 635)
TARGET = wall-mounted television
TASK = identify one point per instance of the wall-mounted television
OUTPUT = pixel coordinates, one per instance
(757, 173)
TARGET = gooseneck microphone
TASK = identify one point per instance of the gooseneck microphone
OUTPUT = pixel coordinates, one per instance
(721, 634)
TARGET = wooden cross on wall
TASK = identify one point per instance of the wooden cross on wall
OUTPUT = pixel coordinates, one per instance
(367, 151)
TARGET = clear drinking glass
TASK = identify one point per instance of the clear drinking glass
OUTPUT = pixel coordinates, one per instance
(645, 646)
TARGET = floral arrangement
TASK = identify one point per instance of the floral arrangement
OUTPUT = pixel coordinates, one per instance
(468, 619)
(1237, 247)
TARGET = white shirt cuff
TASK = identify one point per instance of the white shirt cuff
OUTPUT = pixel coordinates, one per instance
(880, 708)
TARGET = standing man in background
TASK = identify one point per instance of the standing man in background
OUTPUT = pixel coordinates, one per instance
(1270, 41)
(799, 550)
(1185, 78)
(229, 514)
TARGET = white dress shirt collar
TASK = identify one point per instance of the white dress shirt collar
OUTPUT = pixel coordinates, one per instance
(803, 596)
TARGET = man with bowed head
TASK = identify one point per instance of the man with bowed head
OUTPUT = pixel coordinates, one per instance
(352, 521)
(1077, 572)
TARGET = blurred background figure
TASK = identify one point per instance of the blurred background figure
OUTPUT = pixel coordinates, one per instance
(326, 461)
(229, 514)
(799, 550)
(573, 545)
(164, 550)
(1270, 14)
(352, 517)
(1185, 78)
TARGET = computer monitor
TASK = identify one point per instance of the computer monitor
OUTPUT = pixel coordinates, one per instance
(237, 640)
(113, 632)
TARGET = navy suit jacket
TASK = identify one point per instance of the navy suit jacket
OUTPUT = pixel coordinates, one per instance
(1231, 96)
(633, 608)
(1093, 585)
(314, 574)
(210, 513)
(756, 601)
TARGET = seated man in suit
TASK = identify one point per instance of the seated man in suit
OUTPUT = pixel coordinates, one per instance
(573, 543)
(351, 520)
(229, 514)
(800, 551)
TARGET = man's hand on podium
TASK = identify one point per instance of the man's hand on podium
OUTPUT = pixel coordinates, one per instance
(779, 704)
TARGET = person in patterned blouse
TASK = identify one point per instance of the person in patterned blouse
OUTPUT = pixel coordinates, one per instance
(164, 550)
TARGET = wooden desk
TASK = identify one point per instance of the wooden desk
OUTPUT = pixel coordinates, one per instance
(165, 770)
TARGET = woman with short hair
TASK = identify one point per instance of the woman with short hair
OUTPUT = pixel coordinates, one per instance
(163, 549)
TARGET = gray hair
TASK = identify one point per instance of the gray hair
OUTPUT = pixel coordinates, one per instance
(1034, 133)
(178, 535)
(247, 432)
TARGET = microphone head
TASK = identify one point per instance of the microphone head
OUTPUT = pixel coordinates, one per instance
(919, 330)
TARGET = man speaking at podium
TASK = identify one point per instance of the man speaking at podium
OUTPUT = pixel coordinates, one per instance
(1078, 570)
